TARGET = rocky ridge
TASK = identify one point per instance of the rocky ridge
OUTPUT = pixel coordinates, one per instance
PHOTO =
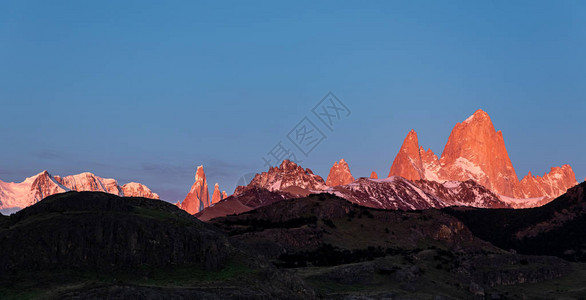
(15, 196)
(476, 151)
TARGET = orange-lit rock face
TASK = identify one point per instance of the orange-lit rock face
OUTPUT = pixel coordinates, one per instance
(217, 195)
(476, 151)
(373, 175)
(413, 162)
(407, 163)
(134, 189)
(339, 174)
(198, 197)
(430, 164)
(90, 182)
(551, 184)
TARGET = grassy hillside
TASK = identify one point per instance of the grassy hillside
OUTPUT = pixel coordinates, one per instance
(98, 245)
(342, 249)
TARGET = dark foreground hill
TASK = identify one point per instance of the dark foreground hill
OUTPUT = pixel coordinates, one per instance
(557, 228)
(99, 246)
(345, 250)
(95, 245)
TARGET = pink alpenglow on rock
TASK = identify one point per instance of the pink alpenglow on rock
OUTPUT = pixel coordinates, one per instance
(373, 175)
(339, 174)
(198, 197)
(287, 176)
(133, 189)
(217, 195)
(413, 162)
(476, 151)
(551, 185)
(16, 196)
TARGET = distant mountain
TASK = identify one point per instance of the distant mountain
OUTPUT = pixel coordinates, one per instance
(218, 196)
(399, 193)
(15, 196)
(475, 150)
(198, 197)
(290, 181)
(279, 183)
(288, 177)
(551, 184)
(339, 174)
(474, 170)
(244, 201)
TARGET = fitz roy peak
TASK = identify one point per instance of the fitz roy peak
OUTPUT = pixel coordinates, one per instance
(476, 151)
(474, 170)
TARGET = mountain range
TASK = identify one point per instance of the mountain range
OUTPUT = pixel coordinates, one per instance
(15, 196)
(476, 151)
(474, 170)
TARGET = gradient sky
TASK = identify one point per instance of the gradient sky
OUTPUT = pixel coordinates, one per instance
(147, 91)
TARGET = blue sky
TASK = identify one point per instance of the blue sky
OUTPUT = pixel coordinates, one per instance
(147, 91)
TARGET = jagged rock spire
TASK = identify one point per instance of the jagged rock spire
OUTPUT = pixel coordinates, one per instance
(339, 174)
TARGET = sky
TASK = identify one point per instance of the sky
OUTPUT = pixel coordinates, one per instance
(146, 91)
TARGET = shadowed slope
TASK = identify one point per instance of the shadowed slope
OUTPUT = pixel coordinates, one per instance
(345, 250)
(93, 245)
(556, 228)
(100, 230)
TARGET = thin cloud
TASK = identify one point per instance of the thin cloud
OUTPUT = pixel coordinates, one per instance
(49, 155)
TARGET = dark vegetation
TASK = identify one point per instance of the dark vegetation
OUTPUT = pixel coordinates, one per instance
(105, 232)
(329, 255)
(97, 246)
(90, 245)
(557, 228)
(253, 224)
(352, 250)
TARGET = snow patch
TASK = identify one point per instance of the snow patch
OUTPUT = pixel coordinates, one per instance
(388, 179)
(469, 167)
(469, 119)
(451, 184)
